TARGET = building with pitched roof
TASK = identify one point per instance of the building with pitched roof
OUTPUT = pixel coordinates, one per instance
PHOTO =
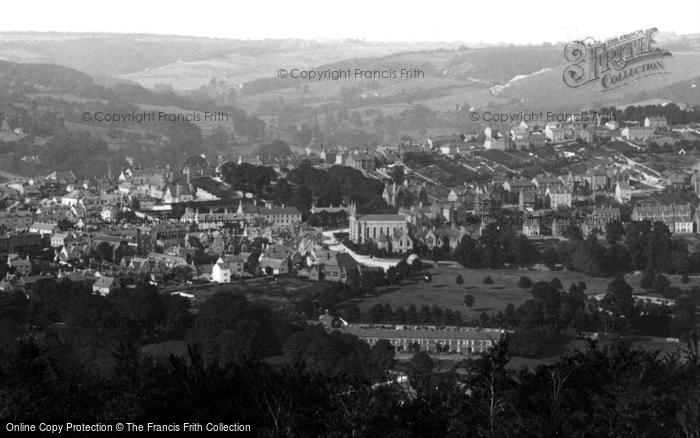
(375, 227)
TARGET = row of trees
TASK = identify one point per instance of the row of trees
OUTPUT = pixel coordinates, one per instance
(385, 313)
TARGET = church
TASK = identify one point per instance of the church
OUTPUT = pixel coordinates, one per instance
(389, 231)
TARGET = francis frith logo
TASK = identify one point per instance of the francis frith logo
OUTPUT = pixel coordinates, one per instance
(615, 62)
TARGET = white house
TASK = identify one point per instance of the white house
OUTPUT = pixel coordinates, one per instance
(59, 240)
(104, 285)
(559, 196)
(43, 228)
(531, 226)
(623, 192)
(220, 272)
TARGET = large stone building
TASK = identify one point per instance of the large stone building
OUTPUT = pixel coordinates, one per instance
(434, 340)
(381, 228)
(678, 217)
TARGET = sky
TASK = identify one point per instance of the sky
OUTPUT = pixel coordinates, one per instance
(502, 21)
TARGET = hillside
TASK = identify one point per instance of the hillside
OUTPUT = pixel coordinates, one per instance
(186, 62)
(547, 91)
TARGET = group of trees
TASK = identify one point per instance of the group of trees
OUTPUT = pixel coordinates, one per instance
(673, 113)
(247, 177)
(494, 248)
(337, 185)
(385, 313)
(637, 246)
(306, 184)
(64, 343)
(611, 391)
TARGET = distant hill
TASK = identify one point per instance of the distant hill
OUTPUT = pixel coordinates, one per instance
(185, 62)
(528, 77)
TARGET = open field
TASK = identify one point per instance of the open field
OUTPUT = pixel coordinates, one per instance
(282, 290)
(445, 292)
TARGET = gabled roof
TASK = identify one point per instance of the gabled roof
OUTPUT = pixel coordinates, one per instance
(104, 282)
(383, 218)
(346, 261)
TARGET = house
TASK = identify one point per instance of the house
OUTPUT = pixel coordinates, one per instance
(678, 217)
(623, 192)
(515, 186)
(168, 234)
(166, 260)
(555, 133)
(559, 196)
(596, 179)
(527, 201)
(220, 272)
(537, 140)
(139, 264)
(399, 242)
(338, 267)
(105, 285)
(637, 133)
(531, 226)
(520, 136)
(236, 264)
(22, 266)
(175, 193)
(16, 220)
(599, 219)
(63, 177)
(656, 123)
(274, 266)
(59, 240)
(449, 236)
(434, 340)
(487, 204)
(500, 144)
(73, 198)
(276, 215)
(544, 182)
(678, 181)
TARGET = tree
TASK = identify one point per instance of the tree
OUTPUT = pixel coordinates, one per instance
(619, 299)
(661, 283)
(382, 355)
(425, 316)
(459, 280)
(247, 177)
(420, 366)
(376, 313)
(469, 300)
(488, 280)
(352, 313)
(412, 314)
(491, 246)
(397, 174)
(64, 225)
(525, 282)
(550, 258)
(467, 253)
(614, 232)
